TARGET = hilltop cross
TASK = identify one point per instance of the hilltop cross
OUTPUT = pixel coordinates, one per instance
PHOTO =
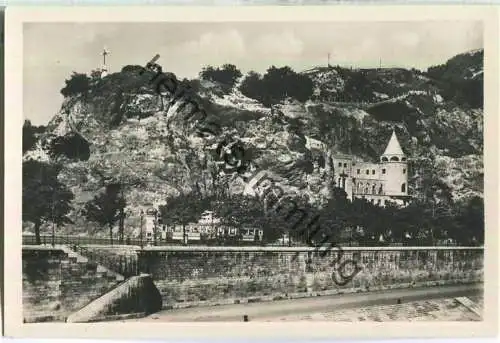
(104, 54)
(104, 68)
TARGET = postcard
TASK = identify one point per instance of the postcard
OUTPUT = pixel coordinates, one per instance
(223, 172)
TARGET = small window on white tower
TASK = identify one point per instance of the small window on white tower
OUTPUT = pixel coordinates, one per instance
(404, 171)
(403, 187)
(383, 171)
(373, 172)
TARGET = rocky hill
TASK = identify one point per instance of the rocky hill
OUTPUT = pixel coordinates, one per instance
(121, 130)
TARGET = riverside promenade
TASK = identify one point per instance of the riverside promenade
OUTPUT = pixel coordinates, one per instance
(431, 303)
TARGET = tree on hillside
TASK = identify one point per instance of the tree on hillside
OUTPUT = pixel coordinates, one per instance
(357, 87)
(30, 135)
(470, 220)
(77, 84)
(106, 208)
(276, 85)
(250, 86)
(29, 138)
(227, 75)
(45, 198)
(72, 145)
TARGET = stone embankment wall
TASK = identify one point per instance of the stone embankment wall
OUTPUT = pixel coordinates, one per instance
(188, 276)
(136, 296)
(55, 284)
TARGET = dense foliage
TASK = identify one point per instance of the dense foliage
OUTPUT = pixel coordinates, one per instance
(340, 220)
(45, 198)
(77, 84)
(276, 85)
(106, 208)
(73, 146)
(30, 135)
(227, 75)
(458, 81)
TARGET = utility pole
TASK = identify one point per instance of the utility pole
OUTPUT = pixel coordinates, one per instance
(328, 60)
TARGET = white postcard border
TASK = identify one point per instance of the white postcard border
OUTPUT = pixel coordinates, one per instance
(14, 19)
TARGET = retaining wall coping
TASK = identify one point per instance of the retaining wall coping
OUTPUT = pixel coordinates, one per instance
(44, 247)
(253, 249)
(296, 249)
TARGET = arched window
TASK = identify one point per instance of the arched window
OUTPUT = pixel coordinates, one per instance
(403, 187)
(394, 159)
(384, 159)
(403, 159)
(366, 189)
(360, 187)
(380, 190)
(373, 189)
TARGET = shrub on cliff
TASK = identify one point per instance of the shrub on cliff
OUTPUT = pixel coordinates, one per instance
(76, 84)
(276, 85)
(72, 145)
(227, 75)
(250, 86)
(132, 69)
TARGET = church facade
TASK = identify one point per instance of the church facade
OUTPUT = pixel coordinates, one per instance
(378, 183)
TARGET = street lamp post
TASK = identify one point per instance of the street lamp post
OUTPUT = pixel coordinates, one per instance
(142, 216)
(155, 227)
(53, 230)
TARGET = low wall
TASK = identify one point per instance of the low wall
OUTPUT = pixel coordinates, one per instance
(55, 284)
(187, 276)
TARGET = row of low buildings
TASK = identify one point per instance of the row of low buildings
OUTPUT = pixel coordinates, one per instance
(207, 228)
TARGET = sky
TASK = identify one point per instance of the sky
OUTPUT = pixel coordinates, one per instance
(52, 51)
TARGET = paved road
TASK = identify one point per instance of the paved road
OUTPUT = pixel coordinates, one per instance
(274, 309)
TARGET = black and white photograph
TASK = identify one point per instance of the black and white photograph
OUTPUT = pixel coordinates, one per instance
(253, 171)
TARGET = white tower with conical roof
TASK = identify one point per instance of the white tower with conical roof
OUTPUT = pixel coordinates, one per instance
(394, 168)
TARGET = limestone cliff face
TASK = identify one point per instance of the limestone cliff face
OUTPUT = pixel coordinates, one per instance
(142, 139)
